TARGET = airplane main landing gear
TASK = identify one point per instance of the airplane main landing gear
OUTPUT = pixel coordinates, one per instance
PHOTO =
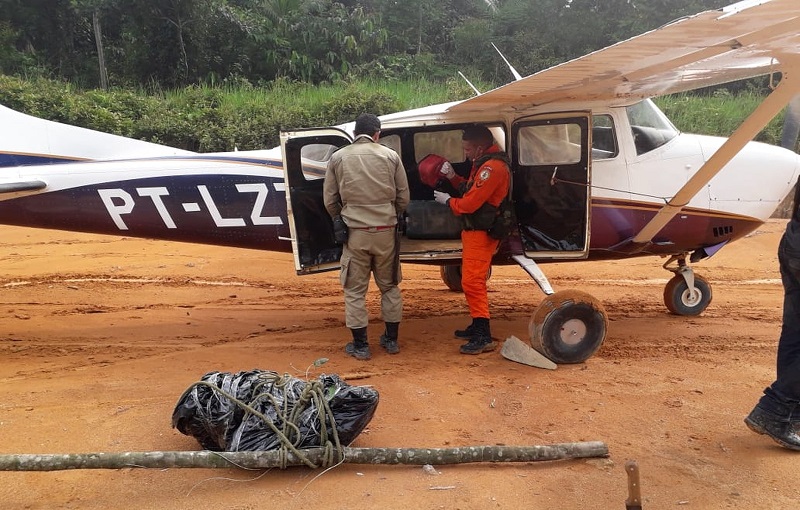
(451, 276)
(686, 293)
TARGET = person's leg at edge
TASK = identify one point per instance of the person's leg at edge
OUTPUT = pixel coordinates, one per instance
(777, 413)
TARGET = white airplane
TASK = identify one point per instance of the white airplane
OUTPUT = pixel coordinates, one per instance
(598, 171)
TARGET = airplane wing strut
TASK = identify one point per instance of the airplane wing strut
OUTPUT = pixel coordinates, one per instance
(769, 108)
(17, 186)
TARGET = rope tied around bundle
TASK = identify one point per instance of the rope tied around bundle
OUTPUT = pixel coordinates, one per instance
(289, 413)
(260, 420)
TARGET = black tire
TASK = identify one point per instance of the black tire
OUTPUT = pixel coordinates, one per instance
(451, 276)
(679, 300)
(568, 326)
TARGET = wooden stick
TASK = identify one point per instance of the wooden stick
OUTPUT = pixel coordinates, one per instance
(276, 458)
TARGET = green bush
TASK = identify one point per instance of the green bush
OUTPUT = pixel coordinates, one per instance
(224, 118)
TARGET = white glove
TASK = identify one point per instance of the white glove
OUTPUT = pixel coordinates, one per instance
(441, 197)
(447, 170)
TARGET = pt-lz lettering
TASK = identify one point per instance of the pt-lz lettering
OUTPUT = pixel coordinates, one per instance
(119, 202)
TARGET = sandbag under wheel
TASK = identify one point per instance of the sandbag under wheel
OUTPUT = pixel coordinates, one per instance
(451, 276)
(568, 326)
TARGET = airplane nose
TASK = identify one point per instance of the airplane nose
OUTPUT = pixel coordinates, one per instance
(757, 181)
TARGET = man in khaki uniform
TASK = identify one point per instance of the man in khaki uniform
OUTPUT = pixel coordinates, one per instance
(367, 185)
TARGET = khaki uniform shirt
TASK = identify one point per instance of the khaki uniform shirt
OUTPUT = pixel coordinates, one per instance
(366, 183)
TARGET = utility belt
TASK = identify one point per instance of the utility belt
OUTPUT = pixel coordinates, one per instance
(482, 219)
(381, 228)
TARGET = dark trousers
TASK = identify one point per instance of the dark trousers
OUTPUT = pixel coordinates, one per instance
(783, 396)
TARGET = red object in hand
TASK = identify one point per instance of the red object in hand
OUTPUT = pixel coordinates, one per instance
(429, 169)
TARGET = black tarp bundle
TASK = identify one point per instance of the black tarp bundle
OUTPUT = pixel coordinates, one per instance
(298, 408)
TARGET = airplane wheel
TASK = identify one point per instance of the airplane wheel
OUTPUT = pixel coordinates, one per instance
(568, 326)
(682, 302)
(451, 276)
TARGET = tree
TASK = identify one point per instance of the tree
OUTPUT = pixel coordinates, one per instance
(95, 7)
(179, 42)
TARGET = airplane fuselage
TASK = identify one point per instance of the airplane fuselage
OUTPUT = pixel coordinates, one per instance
(633, 158)
(239, 201)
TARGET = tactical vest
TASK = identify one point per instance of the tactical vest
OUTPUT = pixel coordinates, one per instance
(486, 216)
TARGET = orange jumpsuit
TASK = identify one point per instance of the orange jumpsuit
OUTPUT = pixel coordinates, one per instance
(487, 183)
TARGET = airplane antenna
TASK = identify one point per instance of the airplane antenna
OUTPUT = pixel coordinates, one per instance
(517, 76)
(477, 92)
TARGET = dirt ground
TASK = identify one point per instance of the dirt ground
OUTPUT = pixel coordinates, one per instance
(99, 337)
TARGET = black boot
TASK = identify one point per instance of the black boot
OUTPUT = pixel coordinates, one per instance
(389, 338)
(780, 428)
(358, 348)
(466, 332)
(481, 339)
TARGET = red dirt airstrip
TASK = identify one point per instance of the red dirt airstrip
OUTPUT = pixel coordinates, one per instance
(99, 336)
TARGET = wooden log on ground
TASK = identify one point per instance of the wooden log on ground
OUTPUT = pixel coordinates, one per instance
(314, 457)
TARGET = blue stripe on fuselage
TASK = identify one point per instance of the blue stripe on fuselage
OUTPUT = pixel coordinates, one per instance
(7, 159)
(11, 159)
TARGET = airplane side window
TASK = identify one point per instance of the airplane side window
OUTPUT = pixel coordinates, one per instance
(649, 126)
(315, 156)
(444, 143)
(314, 159)
(549, 144)
(391, 141)
(604, 138)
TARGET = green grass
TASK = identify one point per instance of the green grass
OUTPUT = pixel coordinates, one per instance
(404, 94)
(220, 118)
(718, 115)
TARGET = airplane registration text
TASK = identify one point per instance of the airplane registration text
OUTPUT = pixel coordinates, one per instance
(119, 202)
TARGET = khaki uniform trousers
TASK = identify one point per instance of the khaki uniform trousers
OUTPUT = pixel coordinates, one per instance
(369, 251)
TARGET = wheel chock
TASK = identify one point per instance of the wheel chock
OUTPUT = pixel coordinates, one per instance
(515, 349)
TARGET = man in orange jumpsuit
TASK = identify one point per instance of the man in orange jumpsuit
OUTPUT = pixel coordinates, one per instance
(483, 191)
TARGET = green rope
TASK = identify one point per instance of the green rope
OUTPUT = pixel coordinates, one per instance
(289, 433)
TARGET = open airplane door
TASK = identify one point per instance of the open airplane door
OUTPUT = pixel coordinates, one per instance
(551, 189)
(551, 163)
(305, 160)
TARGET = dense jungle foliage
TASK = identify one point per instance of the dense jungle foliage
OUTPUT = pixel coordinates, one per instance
(176, 43)
(214, 75)
(214, 119)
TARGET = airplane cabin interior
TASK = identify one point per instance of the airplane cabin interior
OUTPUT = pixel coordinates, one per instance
(549, 188)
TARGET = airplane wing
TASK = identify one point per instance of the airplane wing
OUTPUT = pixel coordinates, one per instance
(27, 140)
(746, 39)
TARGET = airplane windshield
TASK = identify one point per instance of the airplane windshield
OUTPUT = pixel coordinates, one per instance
(650, 127)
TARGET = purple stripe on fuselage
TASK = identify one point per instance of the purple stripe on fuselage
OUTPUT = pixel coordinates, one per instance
(614, 222)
